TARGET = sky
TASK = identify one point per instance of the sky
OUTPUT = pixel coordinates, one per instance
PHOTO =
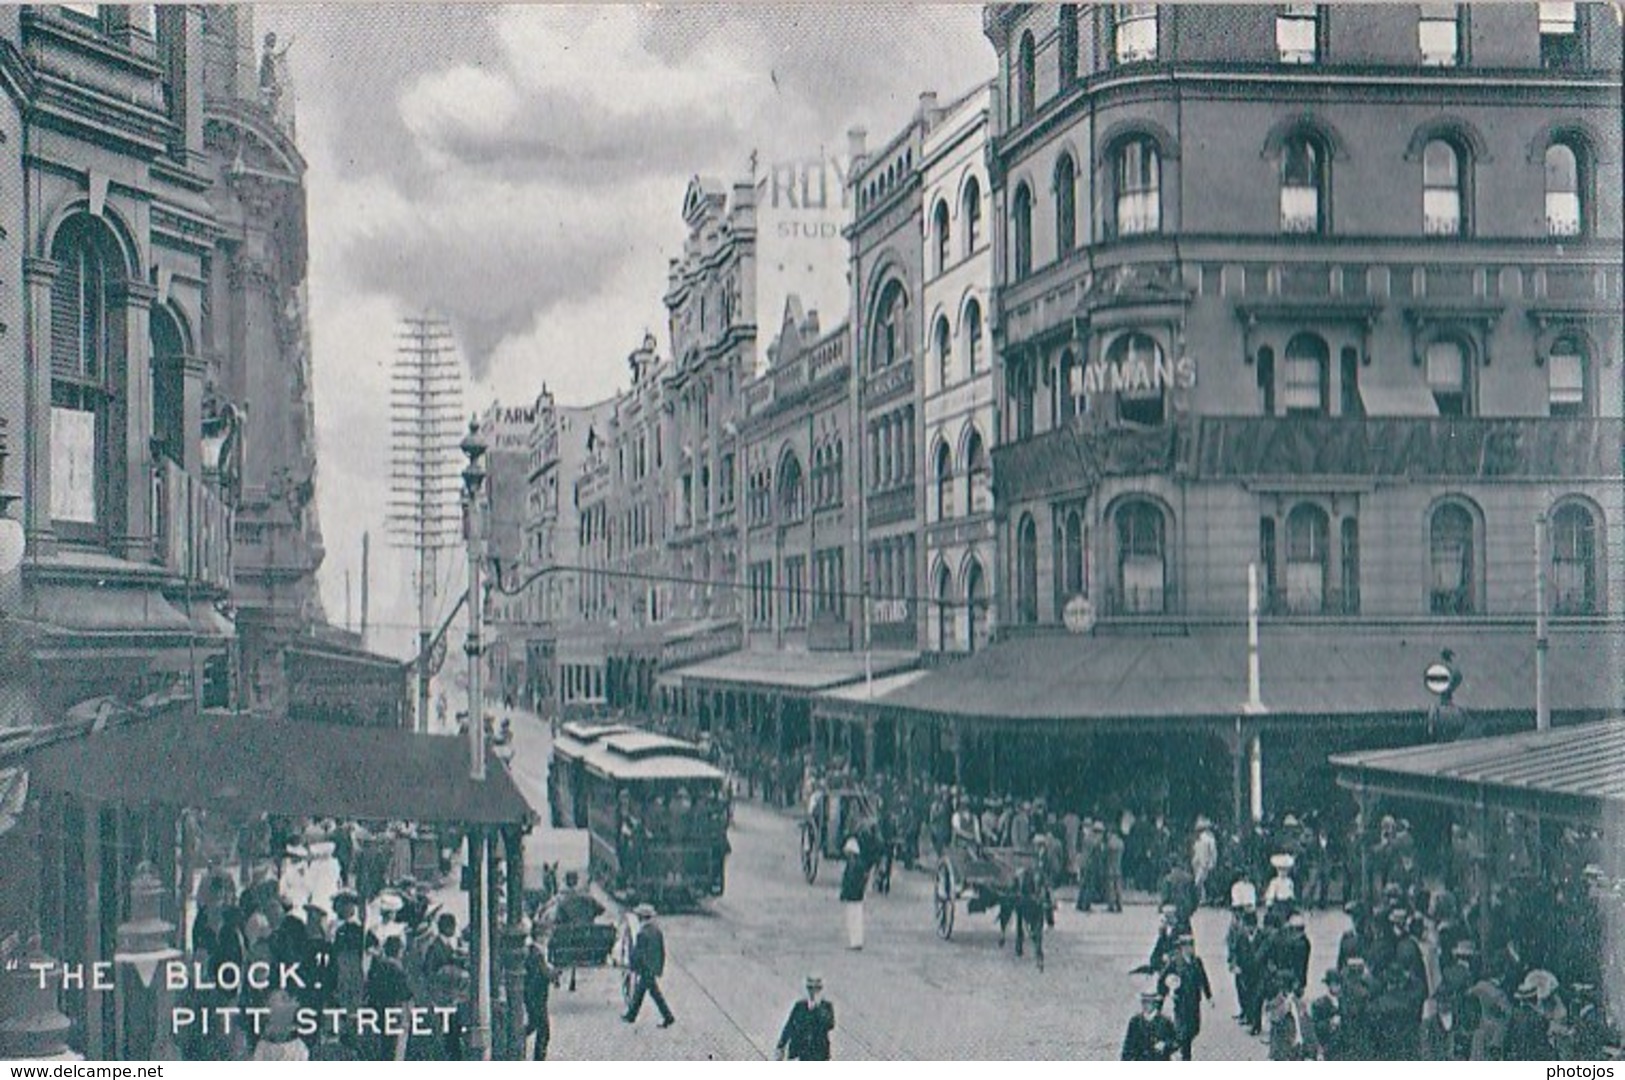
(519, 170)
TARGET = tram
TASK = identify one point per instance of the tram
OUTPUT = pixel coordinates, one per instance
(654, 808)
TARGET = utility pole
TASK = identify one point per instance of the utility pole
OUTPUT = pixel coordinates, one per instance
(1543, 705)
(425, 422)
(366, 578)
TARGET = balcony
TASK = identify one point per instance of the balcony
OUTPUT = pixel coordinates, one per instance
(191, 528)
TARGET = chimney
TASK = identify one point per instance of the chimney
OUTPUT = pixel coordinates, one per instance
(857, 146)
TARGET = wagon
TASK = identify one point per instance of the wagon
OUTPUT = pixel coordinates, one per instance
(824, 837)
(983, 877)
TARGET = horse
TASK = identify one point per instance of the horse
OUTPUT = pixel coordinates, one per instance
(1032, 905)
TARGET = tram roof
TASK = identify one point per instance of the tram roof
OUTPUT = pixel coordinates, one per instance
(645, 756)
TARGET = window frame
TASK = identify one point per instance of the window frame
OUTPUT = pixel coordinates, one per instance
(1319, 355)
(1130, 407)
(973, 335)
(1592, 540)
(1317, 159)
(1308, 521)
(971, 207)
(1432, 15)
(1457, 185)
(940, 223)
(1467, 597)
(1128, 537)
(1026, 566)
(1066, 205)
(1125, 16)
(1021, 231)
(1067, 47)
(1136, 176)
(1026, 78)
(1295, 15)
(1580, 155)
(1581, 356)
(1463, 390)
(942, 337)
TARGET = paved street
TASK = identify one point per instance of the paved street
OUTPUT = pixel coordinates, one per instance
(735, 968)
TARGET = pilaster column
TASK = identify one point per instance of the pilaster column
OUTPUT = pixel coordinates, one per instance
(135, 543)
(38, 277)
(196, 368)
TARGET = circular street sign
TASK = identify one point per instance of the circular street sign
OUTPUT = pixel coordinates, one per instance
(1079, 615)
(1438, 677)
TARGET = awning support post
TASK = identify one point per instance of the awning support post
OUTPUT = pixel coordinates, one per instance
(515, 935)
(1255, 763)
(1238, 780)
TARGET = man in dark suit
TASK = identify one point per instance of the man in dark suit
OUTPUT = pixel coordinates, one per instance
(539, 980)
(648, 965)
(1186, 980)
(1151, 1035)
(806, 1033)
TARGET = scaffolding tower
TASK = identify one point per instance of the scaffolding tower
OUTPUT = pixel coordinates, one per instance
(426, 408)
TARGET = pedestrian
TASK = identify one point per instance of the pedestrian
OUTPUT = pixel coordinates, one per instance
(540, 979)
(1204, 857)
(389, 988)
(806, 1031)
(648, 965)
(1151, 1035)
(1292, 1032)
(1187, 983)
(1114, 871)
(854, 884)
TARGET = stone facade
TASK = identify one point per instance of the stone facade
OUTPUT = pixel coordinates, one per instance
(1261, 285)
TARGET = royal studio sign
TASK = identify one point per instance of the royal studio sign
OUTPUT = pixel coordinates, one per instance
(808, 198)
(1136, 376)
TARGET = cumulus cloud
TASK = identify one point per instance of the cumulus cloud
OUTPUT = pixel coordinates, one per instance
(519, 170)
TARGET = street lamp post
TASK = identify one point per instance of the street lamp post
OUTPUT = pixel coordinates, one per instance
(474, 474)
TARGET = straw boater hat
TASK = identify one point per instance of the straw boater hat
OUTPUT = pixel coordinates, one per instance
(1464, 948)
(1282, 861)
(644, 911)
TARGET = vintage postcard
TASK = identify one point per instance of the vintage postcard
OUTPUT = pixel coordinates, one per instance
(747, 532)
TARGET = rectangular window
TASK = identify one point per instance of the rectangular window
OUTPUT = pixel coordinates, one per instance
(1297, 33)
(1350, 600)
(1267, 579)
(795, 594)
(1300, 209)
(1302, 391)
(1447, 377)
(1559, 36)
(1134, 35)
(73, 465)
(1439, 35)
(1562, 213)
(1565, 375)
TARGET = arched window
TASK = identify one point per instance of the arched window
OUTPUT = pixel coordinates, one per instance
(168, 388)
(1574, 561)
(1443, 189)
(940, 225)
(1303, 185)
(1027, 571)
(1021, 227)
(1304, 388)
(1134, 33)
(972, 214)
(945, 352)
(1449, 377)
(1066, 206)
(943, 469)
(87, 453)
(973, 336)
(1565, 196)
(1137, 358)
(792, 490)
(978, 492)
(1026, 78)
(889, 343)
(1566, 373)
(1069, 45)
(944, 597)
(1307, 560)
(1074, 572)
(1071, 388)
(1138, 176)
(975, 606)
(1451, 550)
(1266, 378)
(1141, 566)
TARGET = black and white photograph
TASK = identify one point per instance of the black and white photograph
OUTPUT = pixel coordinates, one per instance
(723, 531)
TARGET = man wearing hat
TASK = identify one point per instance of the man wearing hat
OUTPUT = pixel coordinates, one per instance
(1528, 1035)
(1186, 980)
(540, 978)
(1245, 948)
(1151, 1035)
(648, 965)
(806, 1032)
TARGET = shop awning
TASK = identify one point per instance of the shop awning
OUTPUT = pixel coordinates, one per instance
(243, 764)
(1404, 399)
(795, 672)
(1573, 772)
(1307, 672)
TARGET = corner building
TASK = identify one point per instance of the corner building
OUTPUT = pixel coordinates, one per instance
(1333, 291)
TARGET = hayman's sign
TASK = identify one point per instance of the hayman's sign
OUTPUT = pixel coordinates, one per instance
(1136, 375)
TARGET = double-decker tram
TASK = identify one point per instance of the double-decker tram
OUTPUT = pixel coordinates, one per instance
(654, 808)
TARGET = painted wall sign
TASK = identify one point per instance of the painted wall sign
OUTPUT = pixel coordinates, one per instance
(1135, 375)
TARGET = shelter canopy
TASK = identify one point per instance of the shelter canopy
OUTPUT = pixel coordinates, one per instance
(243, 764)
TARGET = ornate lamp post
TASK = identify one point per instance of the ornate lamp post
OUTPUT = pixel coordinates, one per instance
(474, 474)
(144, 944)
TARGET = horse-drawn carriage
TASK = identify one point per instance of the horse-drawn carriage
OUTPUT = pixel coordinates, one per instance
(834, 818)
(1009, 881)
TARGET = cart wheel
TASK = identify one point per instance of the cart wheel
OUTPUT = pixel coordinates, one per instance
(943, 900)
(809, 853)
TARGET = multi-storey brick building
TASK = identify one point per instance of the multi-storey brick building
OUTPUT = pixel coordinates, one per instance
(795, 431)
(1329, 291)
(957, 379)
